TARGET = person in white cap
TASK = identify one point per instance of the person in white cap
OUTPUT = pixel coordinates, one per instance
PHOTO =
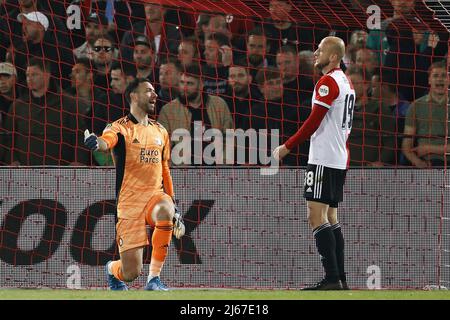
(34, 25)
(8, 75)
(40, 40)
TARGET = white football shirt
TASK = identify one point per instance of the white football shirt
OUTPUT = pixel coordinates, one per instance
(328, 146)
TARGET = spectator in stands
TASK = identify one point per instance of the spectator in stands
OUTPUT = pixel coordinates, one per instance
(218, 57)
(129, 13)
(193, 107)
(426, 127)
(378, 41)
(298, 84)
(201, 27)
(144, 59)
(297, 87)
(366, 59)
(407, 46)
(391, 115)
(39, 124)
(188, 52)
(281, 30)
(8, 89)
(12, 25)
(241, 94)
(83, 97)
(164, 36)
(117, 107)
(8, 93)
(94, 107)
(217, 23)
(273, 113)
(358, 40)
(79, 101)
(306, 62)
(169, 81)
(104, 54)
(257, 50)
(234, 27)
(96, 25)
(121, 77)
(411, 51)
(40, 42)
(363, 140)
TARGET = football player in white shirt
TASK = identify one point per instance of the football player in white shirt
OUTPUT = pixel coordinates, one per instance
(328, 126)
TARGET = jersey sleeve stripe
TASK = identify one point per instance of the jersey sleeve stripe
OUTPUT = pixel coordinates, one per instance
(323, 104)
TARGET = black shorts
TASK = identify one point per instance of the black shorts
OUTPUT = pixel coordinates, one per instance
(323, 184)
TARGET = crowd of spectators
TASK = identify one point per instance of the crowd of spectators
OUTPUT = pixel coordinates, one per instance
(60, 76)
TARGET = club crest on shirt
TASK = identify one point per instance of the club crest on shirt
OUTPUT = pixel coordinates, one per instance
(323, 90)
(158, 142)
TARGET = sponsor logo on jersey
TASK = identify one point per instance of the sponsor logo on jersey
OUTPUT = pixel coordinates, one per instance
(149, 156)
(323, 90)
(309, 189)
(136, 140)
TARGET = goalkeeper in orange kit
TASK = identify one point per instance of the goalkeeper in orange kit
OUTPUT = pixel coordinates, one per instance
(141, 151)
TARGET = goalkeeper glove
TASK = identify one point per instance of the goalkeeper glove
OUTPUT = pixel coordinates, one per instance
(178, 224)
(90, 140)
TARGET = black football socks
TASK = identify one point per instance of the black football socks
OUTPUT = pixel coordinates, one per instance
(326, 246)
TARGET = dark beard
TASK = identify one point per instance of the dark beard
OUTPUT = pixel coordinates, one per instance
(322, 65)
(148, 107)
(187, 99)
(255, 59)
(241, 91)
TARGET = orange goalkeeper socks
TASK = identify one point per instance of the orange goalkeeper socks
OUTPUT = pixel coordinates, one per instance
(116, 269)
(160, 243)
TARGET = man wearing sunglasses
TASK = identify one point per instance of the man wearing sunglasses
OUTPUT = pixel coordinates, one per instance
(94, 26)
(103, 55)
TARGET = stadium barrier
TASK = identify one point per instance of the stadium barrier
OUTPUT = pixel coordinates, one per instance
(244, 230)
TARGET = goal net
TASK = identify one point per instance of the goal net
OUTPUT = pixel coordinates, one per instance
(234, 80)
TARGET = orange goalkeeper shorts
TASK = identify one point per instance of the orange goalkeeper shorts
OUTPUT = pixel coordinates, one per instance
(132, 233)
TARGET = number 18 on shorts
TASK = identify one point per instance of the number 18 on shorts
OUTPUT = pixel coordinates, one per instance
(323, 184)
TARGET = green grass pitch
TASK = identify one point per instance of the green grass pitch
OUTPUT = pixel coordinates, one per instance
(212, 294)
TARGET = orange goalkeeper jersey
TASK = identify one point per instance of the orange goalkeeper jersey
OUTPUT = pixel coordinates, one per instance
(141, 155)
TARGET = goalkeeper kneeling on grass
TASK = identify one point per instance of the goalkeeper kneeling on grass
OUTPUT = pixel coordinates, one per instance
(140, 148)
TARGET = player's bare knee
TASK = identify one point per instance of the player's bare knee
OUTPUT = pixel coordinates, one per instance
(164, 211)
(317, 214)
(332, 215)
(314, 219)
